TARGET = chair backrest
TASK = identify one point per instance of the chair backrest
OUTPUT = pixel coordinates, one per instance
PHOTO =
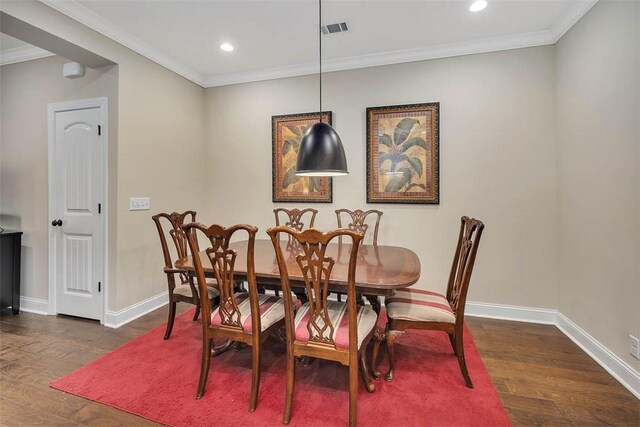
(357, 221)
(316, 268)
(294, 217)
(463, 261)
(174, 221)
(222, 260)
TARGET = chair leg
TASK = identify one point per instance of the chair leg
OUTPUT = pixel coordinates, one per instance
(197, 313)
(391, 338)
(172, 317)
(353, 394)
(459, 350)
(204, 368)
(255, 378)
(291, 378)
(452, 340)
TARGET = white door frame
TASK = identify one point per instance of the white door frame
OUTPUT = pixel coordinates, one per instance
(103, 104)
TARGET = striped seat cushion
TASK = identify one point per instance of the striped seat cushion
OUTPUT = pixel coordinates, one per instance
(185, 290)
(340, 319)
(419, 305)
(271, 311)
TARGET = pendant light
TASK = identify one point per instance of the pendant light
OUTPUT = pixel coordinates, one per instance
(321, 152)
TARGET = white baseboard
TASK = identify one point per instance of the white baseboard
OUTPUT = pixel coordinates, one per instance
(115, 319)
(618, 368)
(511, 312)
(34, 305)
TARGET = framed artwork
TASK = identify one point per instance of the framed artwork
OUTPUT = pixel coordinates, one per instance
(402, 154)
(287, 131)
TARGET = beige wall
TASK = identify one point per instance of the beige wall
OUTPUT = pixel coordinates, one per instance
(598, 162)
(561, 210)
(26, 89)
(159, 153)
(497, 162)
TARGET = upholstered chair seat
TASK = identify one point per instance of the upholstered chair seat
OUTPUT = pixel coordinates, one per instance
(185, 290)
(271, 311)
(337, 311)
(420, 305)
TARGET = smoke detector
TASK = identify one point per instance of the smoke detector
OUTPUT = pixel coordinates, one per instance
(340, 27)
(72, 70)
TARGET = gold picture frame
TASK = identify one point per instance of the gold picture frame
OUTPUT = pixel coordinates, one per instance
(402, 154)
(287, 131)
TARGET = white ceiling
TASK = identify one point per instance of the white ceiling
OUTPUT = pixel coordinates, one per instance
(278, 38)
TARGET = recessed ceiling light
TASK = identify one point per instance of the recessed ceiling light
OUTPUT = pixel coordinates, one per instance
(478, 5)
(226, 47)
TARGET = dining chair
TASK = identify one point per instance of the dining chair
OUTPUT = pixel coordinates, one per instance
(185, 291)
(357, 221)
(295, 218)
(330, 330)
(422, 309)
(244, 317)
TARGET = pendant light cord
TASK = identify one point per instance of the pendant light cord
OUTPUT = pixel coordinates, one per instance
(320, 53)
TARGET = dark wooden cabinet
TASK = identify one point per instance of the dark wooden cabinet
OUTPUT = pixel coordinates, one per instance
(10, 250)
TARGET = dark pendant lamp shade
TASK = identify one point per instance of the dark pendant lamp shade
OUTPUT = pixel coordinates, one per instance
(321, 152)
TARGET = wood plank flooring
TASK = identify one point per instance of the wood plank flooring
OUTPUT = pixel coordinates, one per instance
(541, 376)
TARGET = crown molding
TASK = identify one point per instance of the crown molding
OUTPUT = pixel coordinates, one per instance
(89, 18)
(21, 54)
(539, 38)
(575, 11)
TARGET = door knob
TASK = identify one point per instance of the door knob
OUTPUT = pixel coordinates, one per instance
(56, 222)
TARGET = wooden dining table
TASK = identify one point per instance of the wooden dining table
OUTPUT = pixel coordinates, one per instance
(380, 269)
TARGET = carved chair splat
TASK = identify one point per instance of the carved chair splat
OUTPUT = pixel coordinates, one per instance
(244, 317)
(317, 330)
(184, 290)
(420, 309)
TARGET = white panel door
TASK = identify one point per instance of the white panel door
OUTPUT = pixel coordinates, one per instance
(78, 228)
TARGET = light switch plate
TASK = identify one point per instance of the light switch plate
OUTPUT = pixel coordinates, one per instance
(139, 203)
(634, 346)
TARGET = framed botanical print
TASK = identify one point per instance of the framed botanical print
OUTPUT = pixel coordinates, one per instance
(287, 131)
(402, 154)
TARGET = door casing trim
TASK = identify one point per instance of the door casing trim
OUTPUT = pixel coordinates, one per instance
(103, 104)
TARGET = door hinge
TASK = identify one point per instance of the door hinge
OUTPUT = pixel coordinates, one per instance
(99, 130)
(99, 286)
(99, 207)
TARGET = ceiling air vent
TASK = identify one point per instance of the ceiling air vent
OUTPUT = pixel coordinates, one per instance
(335, 28)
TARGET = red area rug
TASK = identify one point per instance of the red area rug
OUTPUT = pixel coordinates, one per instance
(157, 380)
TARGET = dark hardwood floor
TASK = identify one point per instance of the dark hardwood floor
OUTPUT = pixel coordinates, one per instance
(541, 376)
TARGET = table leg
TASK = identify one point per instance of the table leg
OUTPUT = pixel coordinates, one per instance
(218, 350)
(379, 337)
